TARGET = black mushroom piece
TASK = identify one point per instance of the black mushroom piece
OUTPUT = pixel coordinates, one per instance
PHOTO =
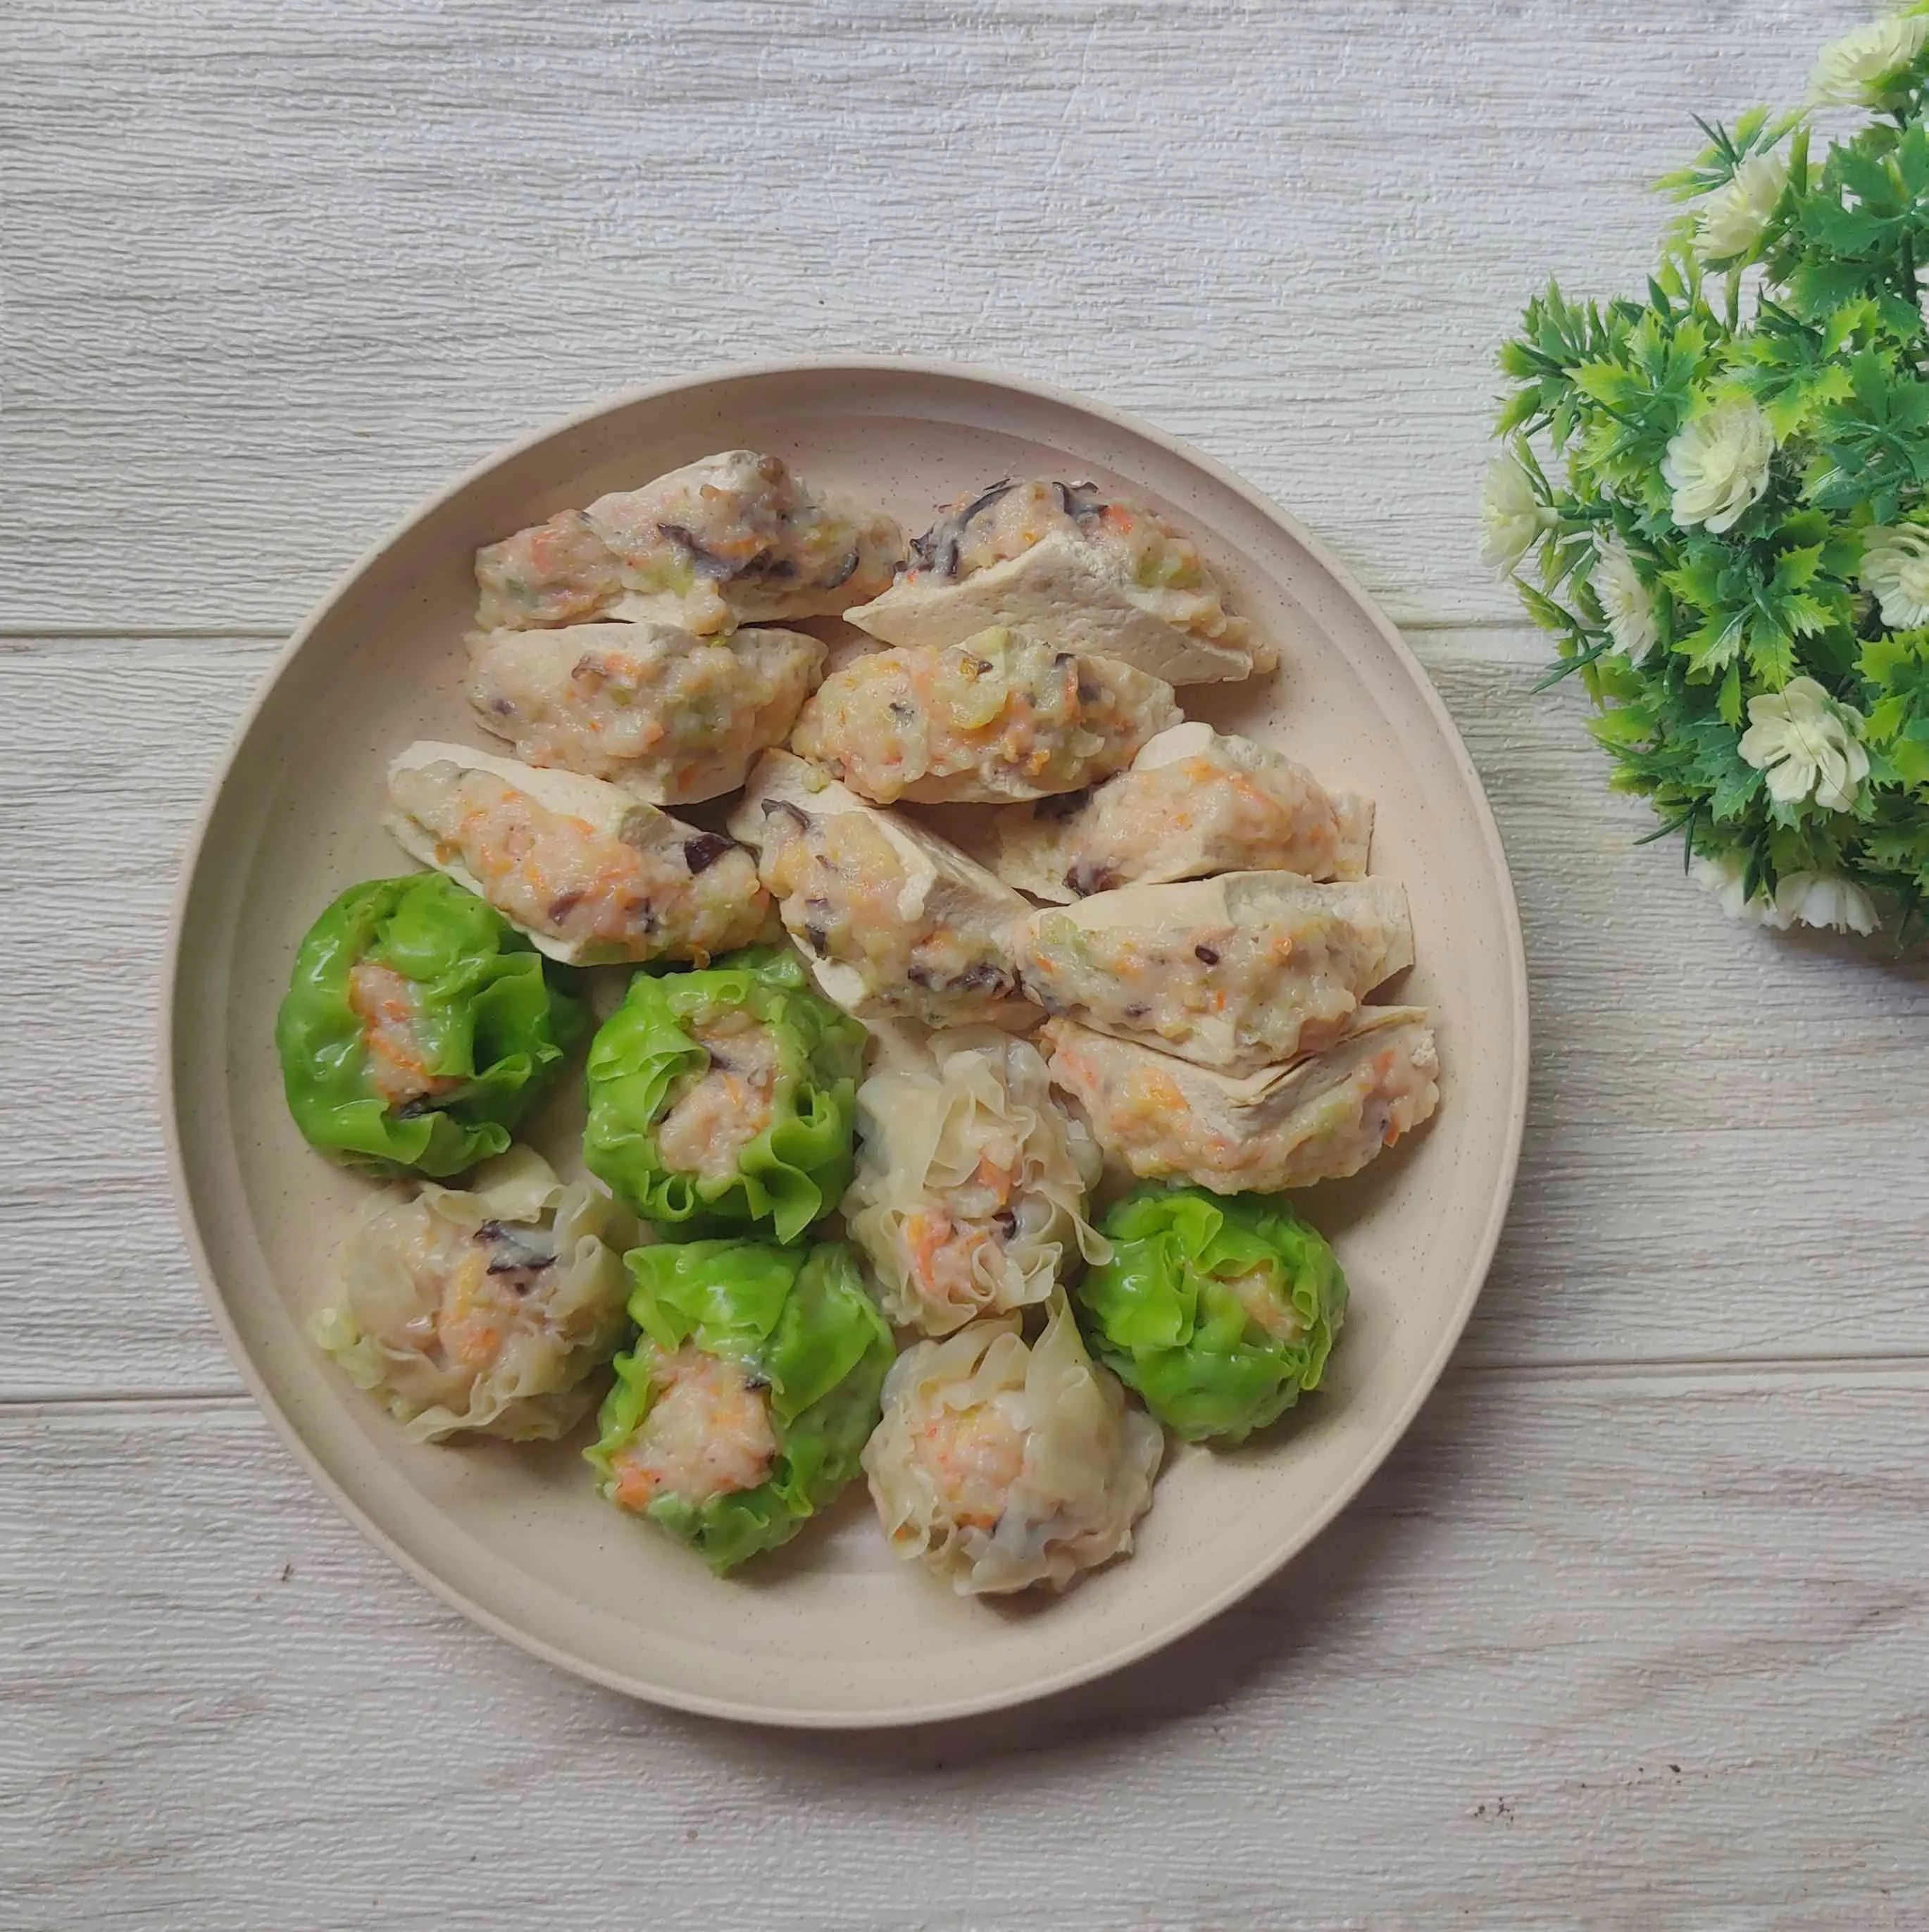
(702, 852)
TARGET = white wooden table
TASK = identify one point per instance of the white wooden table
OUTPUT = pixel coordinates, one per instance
(1633, 1631)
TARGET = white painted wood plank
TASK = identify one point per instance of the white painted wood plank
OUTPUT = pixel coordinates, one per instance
(1724, 1153)
(1618, 1653)
(274, 270)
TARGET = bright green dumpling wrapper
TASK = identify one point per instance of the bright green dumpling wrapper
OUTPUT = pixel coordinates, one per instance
(749, 1396)
(419, 1028)
(726, 1097)
(1219, 1312)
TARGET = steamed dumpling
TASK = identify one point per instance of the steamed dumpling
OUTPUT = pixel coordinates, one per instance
(736, 538)
(1320, 1119)
(1194, 803)
(971, 1186)
(1092, 574)
(1001, 716)
(671, 718)
(487, 1310)
(999, 1465)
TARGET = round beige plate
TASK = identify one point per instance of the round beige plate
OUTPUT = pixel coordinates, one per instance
(833, 1630)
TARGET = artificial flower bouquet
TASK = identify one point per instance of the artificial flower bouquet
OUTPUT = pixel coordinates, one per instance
(1736, 559)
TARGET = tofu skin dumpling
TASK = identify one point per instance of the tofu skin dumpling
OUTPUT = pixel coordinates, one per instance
(736, 539)
(1218, 1311)
(747, 1401)
(488, 1311)
(1000, 1466)
(999, 717)
(725, 1097)
(1195, 803)
(672, 717)
(971, 1187)
(1320, 1119)
(419, 1028)
(1091, 574)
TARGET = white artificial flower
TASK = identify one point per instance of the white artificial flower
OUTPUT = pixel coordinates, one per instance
(1819, 898)
(1895, 571)
(1859, 69)
(1511, 515)
(1806, 742)
(1726, 878)
(1718, 466)
(1735, 216)
(1626, 602)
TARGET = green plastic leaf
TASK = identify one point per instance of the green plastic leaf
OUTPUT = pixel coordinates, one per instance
(490, 1019)
(799, 1322)
(794, 1170)
(1219, 1312)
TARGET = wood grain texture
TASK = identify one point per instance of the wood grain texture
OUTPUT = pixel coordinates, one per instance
(1708, 1711)
(273, 271)
(1712, 1107)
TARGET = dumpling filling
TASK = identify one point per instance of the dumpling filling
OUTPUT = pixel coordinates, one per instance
(842, 888)
(557, 874)
(708, 1433)
(385, 1002)
(1157, 565)
(1001, 1465)
(716, 1110)
(672, 717)
(736, 537)
(1000, 716)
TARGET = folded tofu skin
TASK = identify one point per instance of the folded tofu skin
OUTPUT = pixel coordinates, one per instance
(1320, 1119)
(736, 539)
(1002, 716)
(1194, 803)
(673, 717)
(1241, 972)
(593, 875)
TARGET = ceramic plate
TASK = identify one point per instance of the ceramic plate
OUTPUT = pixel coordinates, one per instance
(833, 1630)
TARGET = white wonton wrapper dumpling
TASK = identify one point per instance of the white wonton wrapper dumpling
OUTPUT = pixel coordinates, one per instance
(894, 922)
(1002, 717)
(1105, 578)
(487, 1310)
(1320, 1119)
(1001, 1466)
(1247, 970)
(672, 717)
(737, 538)
(971, 1186)
(593, 875)
(1195, 802)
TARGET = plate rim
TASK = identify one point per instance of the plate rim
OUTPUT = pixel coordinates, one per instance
(1133, 1649)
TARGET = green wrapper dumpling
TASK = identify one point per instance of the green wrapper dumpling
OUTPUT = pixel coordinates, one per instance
(726, 1097)
(419, 1028)
(1218, 1311)
(999, 1465)
(488, 1310)
(744, 1406)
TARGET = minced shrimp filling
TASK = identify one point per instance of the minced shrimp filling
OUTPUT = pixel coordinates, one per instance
(1257, 1291)
(708, 1433)
(839, 885)
(717, 1110)
(477, 1290)
(684, 711)
(998, 705)
(1160, 567)
(955, 1251)
(1145, 1116)
(747, 519)
(384, 1002)
(1266, 991)
(971, 1457)
(1212, 809)
(558, 875)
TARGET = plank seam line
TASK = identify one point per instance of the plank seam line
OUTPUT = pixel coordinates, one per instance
(73, 633)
